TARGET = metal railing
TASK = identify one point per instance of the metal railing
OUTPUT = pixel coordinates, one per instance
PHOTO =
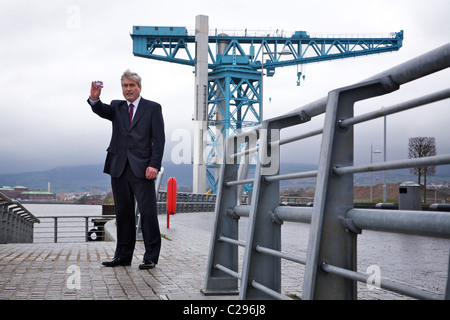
(71, 228)
(16, 222)
(330, 262)
(188, 202)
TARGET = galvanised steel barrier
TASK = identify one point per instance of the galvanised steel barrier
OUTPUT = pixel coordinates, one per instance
(16, 222)
(330, 262)
(71, 228)
(188, 202)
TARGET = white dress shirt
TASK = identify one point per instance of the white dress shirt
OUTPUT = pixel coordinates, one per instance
(135, 104)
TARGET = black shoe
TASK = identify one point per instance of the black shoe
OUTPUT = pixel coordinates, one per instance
(117, 262)
(146, 264)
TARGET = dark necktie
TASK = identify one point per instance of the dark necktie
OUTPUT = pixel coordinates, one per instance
(130, 114)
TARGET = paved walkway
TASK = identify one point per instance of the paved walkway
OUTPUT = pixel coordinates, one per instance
(50, 270)
(74, 270)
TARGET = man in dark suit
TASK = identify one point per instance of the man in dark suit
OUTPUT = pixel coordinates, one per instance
(133, 160)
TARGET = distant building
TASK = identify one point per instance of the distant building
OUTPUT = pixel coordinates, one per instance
(94, 191)
(13, 192)
(23, 193)
(37, 195)
(7, 191)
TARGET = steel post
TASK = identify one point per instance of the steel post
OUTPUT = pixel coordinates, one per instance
(262, 230)
(329, 241)
(223, 253)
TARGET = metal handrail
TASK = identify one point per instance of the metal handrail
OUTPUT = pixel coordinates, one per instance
(16, 222)
(433, 224)
(82, 228)
(15, 204)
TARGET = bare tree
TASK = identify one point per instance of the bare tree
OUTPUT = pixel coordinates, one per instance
(422, 147)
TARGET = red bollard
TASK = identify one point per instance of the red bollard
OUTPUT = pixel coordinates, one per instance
(171, 198)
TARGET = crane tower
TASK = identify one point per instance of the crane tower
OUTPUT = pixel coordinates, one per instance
(229, 72)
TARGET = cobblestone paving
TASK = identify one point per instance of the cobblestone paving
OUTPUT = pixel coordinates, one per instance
(50, 271)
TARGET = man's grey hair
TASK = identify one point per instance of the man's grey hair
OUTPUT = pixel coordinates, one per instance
(131, 75)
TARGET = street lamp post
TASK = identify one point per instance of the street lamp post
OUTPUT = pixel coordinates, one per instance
(371, 173)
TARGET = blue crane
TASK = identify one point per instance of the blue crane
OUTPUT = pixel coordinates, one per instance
(235, 68)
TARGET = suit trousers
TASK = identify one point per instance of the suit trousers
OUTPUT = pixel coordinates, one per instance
(126, 189)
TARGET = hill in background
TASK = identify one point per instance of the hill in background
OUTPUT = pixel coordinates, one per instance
(82, 178)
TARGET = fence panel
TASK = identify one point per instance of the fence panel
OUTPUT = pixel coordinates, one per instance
(330, 262)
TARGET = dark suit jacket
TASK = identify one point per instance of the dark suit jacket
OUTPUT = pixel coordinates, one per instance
(142, 143)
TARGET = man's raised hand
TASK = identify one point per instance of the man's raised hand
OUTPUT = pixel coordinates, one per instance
(96, 90)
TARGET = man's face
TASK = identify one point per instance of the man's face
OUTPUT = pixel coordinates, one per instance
(130, 89)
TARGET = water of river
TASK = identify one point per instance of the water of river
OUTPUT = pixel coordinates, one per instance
(45, 210)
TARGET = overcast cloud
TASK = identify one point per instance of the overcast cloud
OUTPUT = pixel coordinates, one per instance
(51, 50)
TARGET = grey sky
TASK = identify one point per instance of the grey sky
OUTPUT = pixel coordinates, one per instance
(51, 50)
